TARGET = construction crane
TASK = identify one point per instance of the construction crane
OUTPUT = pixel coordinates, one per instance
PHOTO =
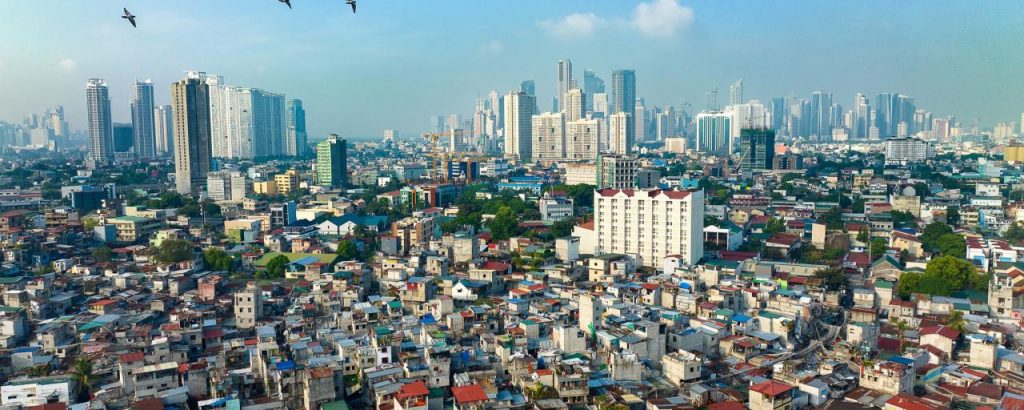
(441, 157)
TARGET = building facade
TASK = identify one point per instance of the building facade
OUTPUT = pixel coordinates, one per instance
(650, 224)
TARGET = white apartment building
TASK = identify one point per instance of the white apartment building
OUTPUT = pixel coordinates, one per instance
(227, 186)
(581, 139)
(619, 139)
(548, 137)
(580, 173)
(901, 151)
(650, 224)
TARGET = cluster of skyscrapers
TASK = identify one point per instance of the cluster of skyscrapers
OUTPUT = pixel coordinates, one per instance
(243, 123)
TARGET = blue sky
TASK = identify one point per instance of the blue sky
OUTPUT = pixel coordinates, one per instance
(398, 62)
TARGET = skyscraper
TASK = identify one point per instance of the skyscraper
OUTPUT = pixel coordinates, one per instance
(519, 125)
(592, 84)
(821, 115)
(332, 162)
(191, 101)
(757, 149)
(624, 99)
(124, 137)
(581, 139)
(575, 104)
(620, 135)
(142, 120)
(736, 92)
(246, 122)
(564, 82)
(861, 117)
(163, 129)
(296, 142)
(529, 87)
(101, 127)
(714, 133)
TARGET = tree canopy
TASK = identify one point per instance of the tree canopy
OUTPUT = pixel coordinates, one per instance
(276, 267)
(173, 251)
(943, 276)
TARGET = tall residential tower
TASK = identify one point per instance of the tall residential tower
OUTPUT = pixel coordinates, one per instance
(191, 101)
(101, 128)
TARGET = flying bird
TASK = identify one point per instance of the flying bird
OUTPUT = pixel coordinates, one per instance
(131, 18)
(287, 2)
(353, 4)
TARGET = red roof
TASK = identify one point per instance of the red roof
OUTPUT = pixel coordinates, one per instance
(416, 388)
(496, 266)
(948, 333)
(909, 402)
(469, 394)
(132, 357)
(771, 388)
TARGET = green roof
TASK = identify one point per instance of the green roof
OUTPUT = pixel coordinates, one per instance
(335, 405)
(768, 314)
(327, 258)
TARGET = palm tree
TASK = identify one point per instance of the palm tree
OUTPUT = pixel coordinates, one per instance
(956, 321)
(82, 373)
(902, 326)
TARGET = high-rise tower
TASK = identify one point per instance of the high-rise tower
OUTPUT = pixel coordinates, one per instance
(332, 162)
(143, 126)
(565, 82)
(191, 103)
(101, 128)
(296, 142)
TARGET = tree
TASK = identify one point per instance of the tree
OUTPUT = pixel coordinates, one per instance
(504, 225)
(563, 228)
(878, 248)
(863, 235)
(1014, 232)
(774, 226)
(858, 205)
(954, 271)
(908, 284)
(903, 219)
(832, 279)
(931, 233)
(347, 250)
(82, 373)
(219, 260)
(89, 224)
(173, 251)
(956, 321)
(902, 326)
(276, 267)
(103, 254)
(953, 216)
(833, 219)
(951, 244)
(712, 220)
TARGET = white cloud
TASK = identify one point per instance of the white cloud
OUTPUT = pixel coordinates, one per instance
(67, 64)
(661, 18)
(575, 25)
(493, 46)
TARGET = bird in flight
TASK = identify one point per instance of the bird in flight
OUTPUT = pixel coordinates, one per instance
(128, 15)
(353, 4)
(287, 2)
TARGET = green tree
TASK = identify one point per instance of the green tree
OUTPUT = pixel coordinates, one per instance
(219, 260)
(878, 248)
(347, 250)
(908, 284)
(82, 372)
(103, 254)
(89, 224)
(774, 226)
(173, 251)
(953, 216)
(276, 267)
(1014, 232)
(711, 220)
(903, 219)
(832, 279)
(504, 225)
(956, 321)
(858, 205)
(902, 326)
(952, 270)
(863, 235)
(931, 233)
(563, 228)
(951, 244)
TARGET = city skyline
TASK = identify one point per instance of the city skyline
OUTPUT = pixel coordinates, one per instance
(683, 50)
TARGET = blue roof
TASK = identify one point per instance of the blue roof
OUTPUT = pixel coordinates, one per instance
(308, 260)
(684, 285)
(428, 319)
(739, 317)
(902, 360)
(286, 365)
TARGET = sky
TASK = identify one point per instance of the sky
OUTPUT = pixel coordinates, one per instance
(396, 63)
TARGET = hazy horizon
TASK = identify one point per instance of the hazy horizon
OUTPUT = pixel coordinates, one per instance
(395, 64)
